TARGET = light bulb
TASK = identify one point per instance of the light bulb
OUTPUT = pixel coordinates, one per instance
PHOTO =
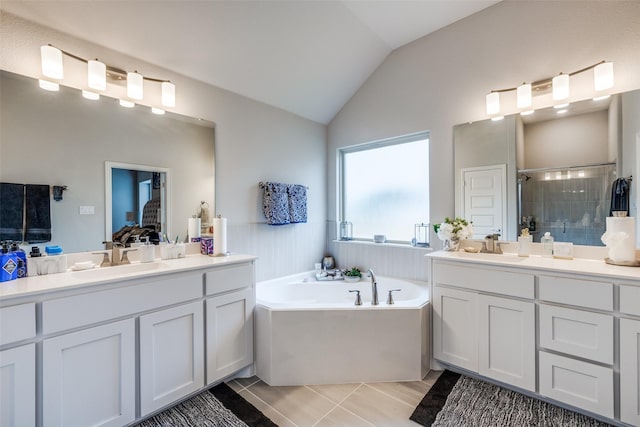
(134, 85)
(126, 104)
(493, 103)
(156, 110)
(168, 94)
(47, 85)
(90, 95)
(51, 62)
(96, 75)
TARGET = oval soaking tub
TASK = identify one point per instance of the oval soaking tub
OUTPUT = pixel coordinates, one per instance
(310, 332)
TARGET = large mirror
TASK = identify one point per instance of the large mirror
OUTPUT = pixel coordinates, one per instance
(550, 171)
(62, 139)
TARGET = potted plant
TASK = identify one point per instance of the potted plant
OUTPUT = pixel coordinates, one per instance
(352, 275)
(451, 231)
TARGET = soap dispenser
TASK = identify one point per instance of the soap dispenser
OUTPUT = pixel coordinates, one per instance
(147, 251)
(547, 245)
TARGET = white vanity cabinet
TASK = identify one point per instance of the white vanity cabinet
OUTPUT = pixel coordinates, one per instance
(229, 320)
(171, 355)
(115, 349)
(88, 377)
(567, 331)
(630, 354)
(17, 366)
(479, 326)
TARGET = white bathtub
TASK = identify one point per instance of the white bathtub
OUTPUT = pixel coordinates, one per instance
(310, 332)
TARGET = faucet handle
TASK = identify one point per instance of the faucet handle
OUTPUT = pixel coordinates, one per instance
(358, 299)
(390, 297)
(105, 258)
(125, 259)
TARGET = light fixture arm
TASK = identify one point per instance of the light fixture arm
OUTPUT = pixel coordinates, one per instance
(110, 69)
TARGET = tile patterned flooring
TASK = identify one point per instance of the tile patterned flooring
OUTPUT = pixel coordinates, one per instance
(334, 405)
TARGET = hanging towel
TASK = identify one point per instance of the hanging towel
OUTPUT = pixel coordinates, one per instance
(11, 211)
(275, 203)
(297, 203)
(37, 214)
(620, 196)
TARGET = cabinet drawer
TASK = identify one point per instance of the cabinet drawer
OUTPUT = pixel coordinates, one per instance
(17, 322)
(229, 278)
(583, 293)
(630, 299)
(576, 332)
(80, 310)
(485, 280)
(577, 383)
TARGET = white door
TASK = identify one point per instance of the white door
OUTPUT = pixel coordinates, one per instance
(630, 371)
(89, 377)
(171, 355)
(507, 341)
(229, 333)
(484, 199)
(455, 339)
(18, 386)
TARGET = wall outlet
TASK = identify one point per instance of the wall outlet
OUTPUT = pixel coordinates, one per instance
(87, 210)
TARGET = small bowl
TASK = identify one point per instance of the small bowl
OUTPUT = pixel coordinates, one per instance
(471, 249)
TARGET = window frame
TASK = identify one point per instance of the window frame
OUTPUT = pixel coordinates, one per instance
(365, 146)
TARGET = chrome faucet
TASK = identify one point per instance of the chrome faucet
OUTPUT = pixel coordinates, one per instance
(374, 288)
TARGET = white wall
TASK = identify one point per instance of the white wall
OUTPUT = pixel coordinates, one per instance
(254, 142)
(441, 80)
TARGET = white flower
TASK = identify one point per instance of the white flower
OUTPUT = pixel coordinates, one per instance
(456, 228)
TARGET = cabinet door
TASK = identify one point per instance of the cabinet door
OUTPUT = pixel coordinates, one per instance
(455, 332)
(229, 333)
(630, 371)
(18, 386)
(88, 377)
(506, 341)
(171, 355)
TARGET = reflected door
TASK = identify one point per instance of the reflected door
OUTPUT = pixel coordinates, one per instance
(484, 199)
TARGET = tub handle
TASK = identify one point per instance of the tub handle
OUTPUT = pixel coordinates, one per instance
(390, 297)
(358, 299)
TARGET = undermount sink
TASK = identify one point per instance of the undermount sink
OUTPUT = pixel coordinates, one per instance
(120, 270)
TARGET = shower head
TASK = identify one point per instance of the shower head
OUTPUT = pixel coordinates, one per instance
(524, 177)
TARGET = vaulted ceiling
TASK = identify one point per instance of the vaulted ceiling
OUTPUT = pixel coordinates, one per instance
(304, 56)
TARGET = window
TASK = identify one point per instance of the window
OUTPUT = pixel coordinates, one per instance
(385, 187)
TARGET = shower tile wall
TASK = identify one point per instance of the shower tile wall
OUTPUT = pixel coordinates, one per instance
(572, 210)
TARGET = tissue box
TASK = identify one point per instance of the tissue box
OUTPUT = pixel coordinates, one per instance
(206, 245)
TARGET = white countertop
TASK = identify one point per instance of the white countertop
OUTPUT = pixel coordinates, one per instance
(596, 267)
(35, 285)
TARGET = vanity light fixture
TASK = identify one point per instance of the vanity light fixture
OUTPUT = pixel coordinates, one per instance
(559, 85)
(97, 73)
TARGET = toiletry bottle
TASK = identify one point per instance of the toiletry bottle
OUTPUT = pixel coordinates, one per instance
(547, 245)
(8, 264)
(22, 260)
(532, 224)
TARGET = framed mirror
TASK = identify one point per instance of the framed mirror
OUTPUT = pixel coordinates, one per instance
(136, 195)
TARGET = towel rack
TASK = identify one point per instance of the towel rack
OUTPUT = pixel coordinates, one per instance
(262, 185)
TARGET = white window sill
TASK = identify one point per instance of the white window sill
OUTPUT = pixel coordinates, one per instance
(386, 244)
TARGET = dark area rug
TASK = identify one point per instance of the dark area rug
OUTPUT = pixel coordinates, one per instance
(460, 401)
(219, 406)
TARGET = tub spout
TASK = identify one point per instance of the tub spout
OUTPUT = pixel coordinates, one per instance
(374, 288)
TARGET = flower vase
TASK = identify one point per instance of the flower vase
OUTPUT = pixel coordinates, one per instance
(451, 245)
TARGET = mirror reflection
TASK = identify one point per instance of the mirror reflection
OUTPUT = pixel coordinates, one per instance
(138, 202)
(551, 171)
(63, 139)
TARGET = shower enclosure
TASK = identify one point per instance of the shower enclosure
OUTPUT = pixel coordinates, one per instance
(571, 203)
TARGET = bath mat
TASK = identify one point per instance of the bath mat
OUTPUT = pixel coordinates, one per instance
(467, 402)
(219, 406)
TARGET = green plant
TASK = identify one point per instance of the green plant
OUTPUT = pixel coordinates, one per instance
(353, 272)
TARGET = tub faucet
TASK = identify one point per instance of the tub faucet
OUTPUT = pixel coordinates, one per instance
(374, 288)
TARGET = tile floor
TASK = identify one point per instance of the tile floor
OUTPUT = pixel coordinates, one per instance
(347, 405)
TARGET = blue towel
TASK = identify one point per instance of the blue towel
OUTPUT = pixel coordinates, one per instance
(275, 203)
(11, 211)
(298, 203)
